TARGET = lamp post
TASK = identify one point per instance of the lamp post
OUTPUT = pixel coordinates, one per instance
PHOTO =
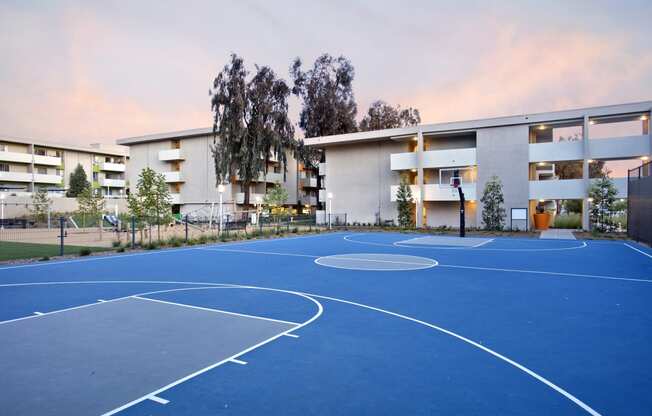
(220, 189)
(2, 211)
(330, 209)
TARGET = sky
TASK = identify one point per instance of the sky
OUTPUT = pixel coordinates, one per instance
(95, 71)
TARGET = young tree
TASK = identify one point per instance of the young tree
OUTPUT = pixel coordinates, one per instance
(152, 198)
(250, 124)
(603, 194)
(326, 91)
(275, 199)
(90, 204)
(40, 205)
(383, 116)
(78, 182)
(404, 205)
(493, 212)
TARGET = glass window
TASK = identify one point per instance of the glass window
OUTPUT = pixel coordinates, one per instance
(615, 168)
(42, 171)
(4, 167)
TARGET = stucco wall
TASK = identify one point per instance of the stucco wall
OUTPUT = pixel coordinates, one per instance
(447, 213)
(360, 177)
(503, 151)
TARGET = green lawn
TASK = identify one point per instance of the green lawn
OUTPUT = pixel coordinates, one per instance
(13, 251)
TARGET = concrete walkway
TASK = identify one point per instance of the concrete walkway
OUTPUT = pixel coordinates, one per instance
(557, 234)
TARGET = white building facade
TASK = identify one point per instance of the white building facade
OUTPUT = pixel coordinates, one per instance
(543, 158)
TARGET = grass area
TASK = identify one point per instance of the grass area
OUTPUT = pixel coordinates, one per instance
(572, 221)
(14, 251)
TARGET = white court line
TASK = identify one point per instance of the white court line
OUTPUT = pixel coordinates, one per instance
(640, 251)
(38, 313)
(234, 360)
(337, 257)
(397, 244)
(101, 300)
(215, 310)
(158, 399)
(291, 335)
(593, 276)
(483, 243)
(320, 311)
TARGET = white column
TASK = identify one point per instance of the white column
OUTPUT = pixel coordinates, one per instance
(420, 188)
(2, 211)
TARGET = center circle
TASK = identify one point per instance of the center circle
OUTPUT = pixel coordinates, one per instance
(376, 262)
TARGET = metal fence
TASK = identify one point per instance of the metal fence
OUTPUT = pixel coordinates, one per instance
(639, 203)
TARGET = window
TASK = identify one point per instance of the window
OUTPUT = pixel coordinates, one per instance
(4, 167)
(42, 171)
(96, 177)
(4, 147)
(554, 133)
(39, 152)
(619, 126)
(59, 172)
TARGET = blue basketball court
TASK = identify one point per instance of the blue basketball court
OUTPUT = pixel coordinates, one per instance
(338, 323)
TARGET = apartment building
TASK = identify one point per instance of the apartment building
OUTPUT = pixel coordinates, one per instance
(542, 159)
(27, 165)
(185, 159)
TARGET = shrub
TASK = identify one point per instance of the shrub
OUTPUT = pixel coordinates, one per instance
(174, 242)
(203, 239)
(572, 221)
(121, 250)
(116, 244)
(152, 246)
(44, 258)
(295, 230)
(85, 251)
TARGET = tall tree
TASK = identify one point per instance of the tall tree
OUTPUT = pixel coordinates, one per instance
(404, 205)
(152, 198)
(40, 205)
(383, 116)
(78, 182)
(326, 91)
(493, 212)
(90, 204)
(250, 123)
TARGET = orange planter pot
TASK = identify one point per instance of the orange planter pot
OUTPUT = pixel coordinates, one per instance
(542, 221)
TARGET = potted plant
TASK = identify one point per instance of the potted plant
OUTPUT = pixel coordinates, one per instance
(541, 218)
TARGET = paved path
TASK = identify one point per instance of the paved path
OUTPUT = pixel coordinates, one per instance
(557, 234)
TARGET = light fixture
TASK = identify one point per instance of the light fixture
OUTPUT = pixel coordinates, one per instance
(591, 122)
(220, 188)
(329, 195)
(622, 199)
(415, 139)
(644, 158)
(542, 200)
(413, 170)
(590, 199)
(643, 117)
(542, 163)
(542, 127)
(590, 160)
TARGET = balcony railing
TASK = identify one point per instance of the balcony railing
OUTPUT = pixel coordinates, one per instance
(253, 198)
(15, 157)
(437, 192)
(620, 148)
(309, 200)
(112, 167)
(322, 169)
(16, 176)
(175, 198)
(47, 160)
(44, 178)
(172, 177)
(552, 152)
(434, 159)
(112, 183)
(170, 155)
(309, 182)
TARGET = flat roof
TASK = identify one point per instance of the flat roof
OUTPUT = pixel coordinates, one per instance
(203, 131)
(467, 125)
(97, 148)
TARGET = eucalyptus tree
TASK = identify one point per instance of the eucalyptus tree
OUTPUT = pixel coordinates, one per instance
(250, 123)
(383, 116)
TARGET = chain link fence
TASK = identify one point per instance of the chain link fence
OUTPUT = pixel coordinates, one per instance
(639, 203)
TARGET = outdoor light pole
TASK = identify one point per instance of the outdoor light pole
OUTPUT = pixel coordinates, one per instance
(220, 189)
(2, 211)
(330, 209)
(417, 198)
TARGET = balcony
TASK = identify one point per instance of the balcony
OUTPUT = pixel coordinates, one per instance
(435, 159)
(51, 179)
(558, 151)
(273, 177)
(16, 176)
(240, 197)
(620, 148)
(322, 195)
(112, 167)
(170, 155)
(112, 183)
(173, 177)
(436, 192)
(47, 160)
(15, 157)
(309, 182)
(175, 198)
(322, 169)
(558, 189)
(309, 200)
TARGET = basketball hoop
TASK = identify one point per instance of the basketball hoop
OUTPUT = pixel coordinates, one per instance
(455, 183)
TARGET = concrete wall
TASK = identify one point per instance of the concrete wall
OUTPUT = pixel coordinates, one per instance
(449, 142)
(17, 207)
(448, 213)
(359, 176)
(504, 152)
